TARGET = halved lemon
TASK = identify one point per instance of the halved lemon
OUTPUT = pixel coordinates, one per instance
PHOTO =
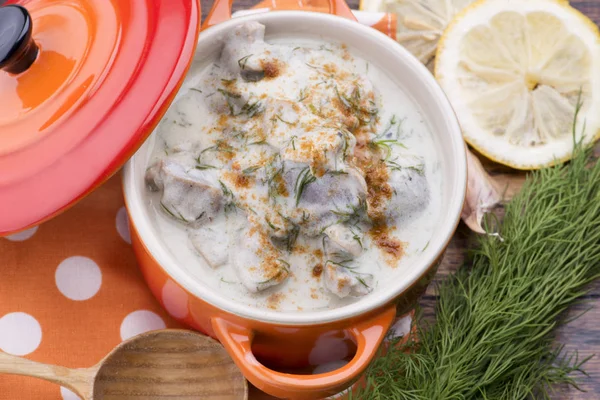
(514, 71)
(421, 23)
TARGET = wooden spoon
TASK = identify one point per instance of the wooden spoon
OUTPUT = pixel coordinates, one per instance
(166, 364)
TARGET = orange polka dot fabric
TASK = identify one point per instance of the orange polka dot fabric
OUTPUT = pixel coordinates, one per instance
(70, 289)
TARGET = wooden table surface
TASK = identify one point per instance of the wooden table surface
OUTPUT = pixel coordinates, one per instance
(583, 334)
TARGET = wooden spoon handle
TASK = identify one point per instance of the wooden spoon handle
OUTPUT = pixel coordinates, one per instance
(80, 381)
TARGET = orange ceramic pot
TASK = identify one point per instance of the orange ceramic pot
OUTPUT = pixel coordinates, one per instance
(265, 342)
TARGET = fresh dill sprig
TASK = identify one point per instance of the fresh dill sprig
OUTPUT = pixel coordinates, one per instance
(271, 224)
(314, 110)
(172, 214)
(292, 234)
(353, 104)
(229, 95)
(243, 61)
(385, 145)
(286, 265)
(353, 213)
(352, 270)
(418, 168)
(258, 143)
(274, 177)
(337, 172)
(204, 166)
(230, 204)
(251, 170)
(493, 337)
(280, 118)
(303, 95)
(220, 145)
(292, 237)
(305, 178)
(293, 141)
(252, 109)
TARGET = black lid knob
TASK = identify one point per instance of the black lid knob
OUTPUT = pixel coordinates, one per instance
(17, 49)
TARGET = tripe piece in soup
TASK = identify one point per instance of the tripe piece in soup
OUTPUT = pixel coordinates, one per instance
(294, 177)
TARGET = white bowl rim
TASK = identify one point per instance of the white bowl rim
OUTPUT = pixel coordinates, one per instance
(134, 200)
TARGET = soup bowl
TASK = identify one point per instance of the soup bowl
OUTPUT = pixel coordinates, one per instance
(266, 344)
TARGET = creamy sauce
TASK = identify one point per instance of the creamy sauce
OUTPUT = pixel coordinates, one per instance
(242, 159)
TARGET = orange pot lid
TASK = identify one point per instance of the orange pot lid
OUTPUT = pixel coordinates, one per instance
(82, 84)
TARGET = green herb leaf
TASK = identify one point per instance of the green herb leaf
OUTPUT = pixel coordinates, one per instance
(305, 178)
(242, 61)
(251, 170)
(204, 166)
(177, 216)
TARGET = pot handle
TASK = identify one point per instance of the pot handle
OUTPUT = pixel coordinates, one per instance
(368, 335)
(221, 11)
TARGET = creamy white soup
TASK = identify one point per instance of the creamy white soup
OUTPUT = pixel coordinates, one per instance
(293, 176)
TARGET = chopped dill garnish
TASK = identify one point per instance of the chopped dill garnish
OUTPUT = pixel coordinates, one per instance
(178, 216)
(323, 47)
(305, 217)
(271, 224)
(354, 213)
(196, 90)
(225, 189)
(243, 61)
(296, 48)
(426, 246)
(220, 145)
(276, 276)
(229, 94)
(343, 263)
(353, 104)
(357, 238)
(331, 172)
(231, 206)
(314, 110)
(385, 145)
(252, 109)
(312, 66)
(224, 281)
(292, 141)
(292, 237)
(204, 166)
(399, 134)
(258, 143)
(251, 170)
(286, 265)
(277, 116)
(305, 178)
(273, 179)
(419, 168)
(346, 136)
(303, 95)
